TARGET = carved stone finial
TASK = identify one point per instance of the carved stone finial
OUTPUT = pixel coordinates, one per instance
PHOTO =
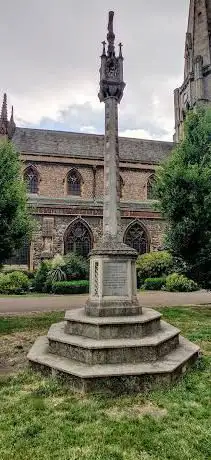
(3, 116)
(111, 35)
(111, 22)
(104, 50)
(111, 70)
(120, 50)
(4, 108)
(11, 125)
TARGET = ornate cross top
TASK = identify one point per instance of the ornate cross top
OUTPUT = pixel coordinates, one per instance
(111, 70)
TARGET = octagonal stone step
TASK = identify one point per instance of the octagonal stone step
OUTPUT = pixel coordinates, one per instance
(78, 323)
(114, 351)
(118, 379)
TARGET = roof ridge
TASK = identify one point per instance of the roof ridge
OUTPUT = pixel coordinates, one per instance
(93, 135)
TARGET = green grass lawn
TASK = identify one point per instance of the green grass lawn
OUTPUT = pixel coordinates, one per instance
(41, 419)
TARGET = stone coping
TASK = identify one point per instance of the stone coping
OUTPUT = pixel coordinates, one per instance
(79, 316)
(39, 354)
(57, 333)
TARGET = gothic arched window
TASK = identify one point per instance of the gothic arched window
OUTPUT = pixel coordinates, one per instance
(31, 178)
(121, 185)
(21, 256)
(74, 182)
(136, 238)
(150, 187)
(78, 238)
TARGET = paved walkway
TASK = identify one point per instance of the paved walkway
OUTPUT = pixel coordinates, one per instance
(20, 305)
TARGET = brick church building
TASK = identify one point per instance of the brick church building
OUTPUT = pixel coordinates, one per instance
(64, 170)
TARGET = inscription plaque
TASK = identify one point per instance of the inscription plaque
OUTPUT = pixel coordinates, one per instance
(115, 279)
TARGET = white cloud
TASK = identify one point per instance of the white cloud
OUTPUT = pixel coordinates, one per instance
(88, 129)
(136, 133)
(50, 61)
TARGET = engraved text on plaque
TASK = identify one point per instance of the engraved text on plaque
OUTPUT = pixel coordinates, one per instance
(115, 279)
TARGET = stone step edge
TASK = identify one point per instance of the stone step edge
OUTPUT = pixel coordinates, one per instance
(39, 354)
(57, 333)
(79, 316)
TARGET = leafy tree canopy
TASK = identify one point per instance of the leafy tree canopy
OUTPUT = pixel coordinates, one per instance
(15, 219)
(183, 187)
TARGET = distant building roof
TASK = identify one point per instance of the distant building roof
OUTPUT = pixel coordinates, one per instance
(61, 143)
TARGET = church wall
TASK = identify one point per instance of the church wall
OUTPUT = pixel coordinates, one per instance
(135, 184)
(99, 183)
(154, 228)
(53, 181)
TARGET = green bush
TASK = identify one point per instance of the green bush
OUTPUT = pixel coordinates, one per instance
(14, 283)
(57, 261)
(14, 268)
(76, 267)
(40, 281)
(154, 265)
(154, 284)
(70, 287)
(180, 283)
(56, 274)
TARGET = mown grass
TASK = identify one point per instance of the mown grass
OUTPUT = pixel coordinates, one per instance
(32, 322)
(41, 419)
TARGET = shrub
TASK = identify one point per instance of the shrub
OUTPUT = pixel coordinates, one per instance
(70, 287)
(41, 276)
(154, 265)
(154, 284)
(180, 283)
(29, 273)
(76, 267)
(14, 283)
(56, 274)
(14, 268)
(57, 261)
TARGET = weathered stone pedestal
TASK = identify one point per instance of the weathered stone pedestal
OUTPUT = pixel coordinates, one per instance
(113, 344)
(113, 280)
(119, 354)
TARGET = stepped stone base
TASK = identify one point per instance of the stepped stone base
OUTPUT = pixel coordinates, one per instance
(114, 354)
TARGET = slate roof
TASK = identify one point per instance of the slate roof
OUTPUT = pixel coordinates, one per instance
(89, 146)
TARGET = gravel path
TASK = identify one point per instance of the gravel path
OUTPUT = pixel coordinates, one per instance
(22, 304)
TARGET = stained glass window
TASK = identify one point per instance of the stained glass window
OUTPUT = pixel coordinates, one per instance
(136, 238)
(32, 180)
(74, 183)
(21, 256)
(78, 239)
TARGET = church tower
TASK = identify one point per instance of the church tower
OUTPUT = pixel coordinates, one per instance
(196, 87)
(7, 127)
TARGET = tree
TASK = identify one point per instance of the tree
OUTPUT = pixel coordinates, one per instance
(183, 187)
(15, 219)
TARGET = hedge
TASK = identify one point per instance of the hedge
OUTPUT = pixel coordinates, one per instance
(154, 265)
(14, 283)
(70, 287)
(154, 284)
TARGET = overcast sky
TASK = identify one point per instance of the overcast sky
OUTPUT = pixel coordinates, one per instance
(50, 62)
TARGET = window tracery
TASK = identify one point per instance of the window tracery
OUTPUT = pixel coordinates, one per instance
(136, 238)
(74, 182)
(78, 239)
(31, 179)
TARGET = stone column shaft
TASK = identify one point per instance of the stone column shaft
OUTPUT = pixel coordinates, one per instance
(111, 212)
